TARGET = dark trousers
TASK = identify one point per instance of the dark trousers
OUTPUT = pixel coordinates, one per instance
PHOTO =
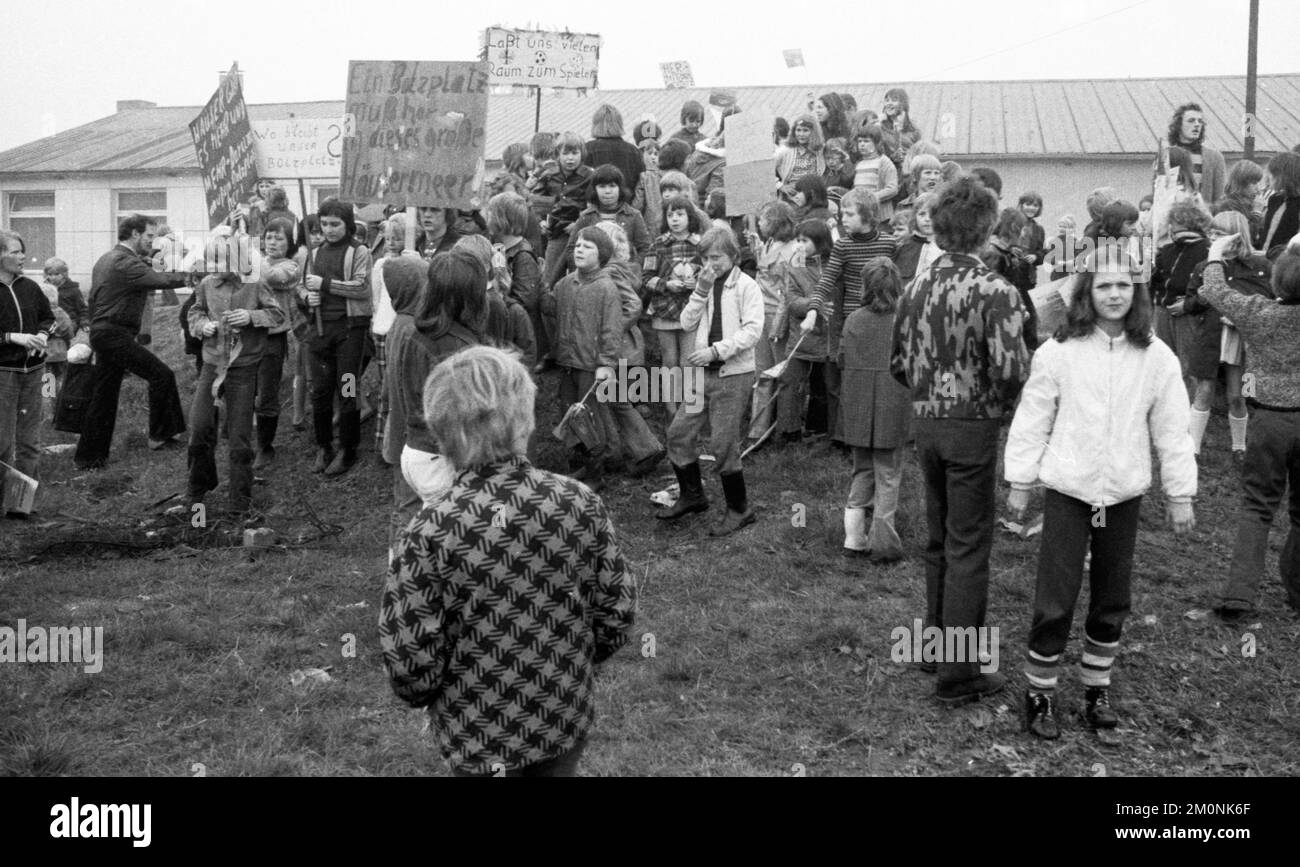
(238, 391)
(336, 358)
(561, 766)
(1272, 462)
(270, 370)
(958, 460)
(116, 353)
(1070, 529)
(20, 424)
(831, 377)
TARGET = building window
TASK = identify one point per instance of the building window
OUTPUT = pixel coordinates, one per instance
(150, 203)
(32, 216)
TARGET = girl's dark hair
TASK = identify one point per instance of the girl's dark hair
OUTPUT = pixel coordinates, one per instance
(1032, 198)
(457, 292)
(1285, 169)
(607, 174)
(1113, 218)
(342, 210)
(881, 285)
(1182, 160)
(673, 155)
(872, 132)
(284, 227)
(1011, 222)
(836, 124)
(681, 203)
(1242, 174)
(817, 232)
(780, 129)
(815, 143)
(1081, 315)
(813, 188)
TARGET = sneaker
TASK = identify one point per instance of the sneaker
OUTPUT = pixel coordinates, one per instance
(965, 691)
(18, 516)
(1098, 710)
(1040, 716)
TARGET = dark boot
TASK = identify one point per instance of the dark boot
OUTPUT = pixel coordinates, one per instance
(739, 514)
(266, 426)
(691, 499)
(241, 480)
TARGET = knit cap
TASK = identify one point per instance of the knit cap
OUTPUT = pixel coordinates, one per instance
(404, 278)
(645, 131)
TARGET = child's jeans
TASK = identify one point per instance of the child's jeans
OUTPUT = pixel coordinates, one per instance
(877, 475)
(1070, 529)
(239, 390)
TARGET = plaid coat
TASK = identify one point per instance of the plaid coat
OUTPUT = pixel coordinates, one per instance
(501, 598)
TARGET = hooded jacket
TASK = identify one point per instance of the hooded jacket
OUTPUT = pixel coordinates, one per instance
(1089, 414)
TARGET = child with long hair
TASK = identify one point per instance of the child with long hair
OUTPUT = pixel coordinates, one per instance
(877, 416)
(671, 269)
(1099, 396)
(800, 156)
(776, 250)
(609, 198)
(1242, 195)
(1217, 341)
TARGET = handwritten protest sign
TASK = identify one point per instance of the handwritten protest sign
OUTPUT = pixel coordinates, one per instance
(308, 147)
(414, 133)
(749, 176)
(541, 58)
(677, 73)
(226, 149)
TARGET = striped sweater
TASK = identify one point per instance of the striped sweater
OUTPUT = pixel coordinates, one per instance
(501, 598)
(839, 291)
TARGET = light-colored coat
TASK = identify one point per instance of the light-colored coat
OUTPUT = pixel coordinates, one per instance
(742, 320)
(1089, 414)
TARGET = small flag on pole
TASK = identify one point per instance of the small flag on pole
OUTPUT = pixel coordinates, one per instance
(793, 57)
(677, 73)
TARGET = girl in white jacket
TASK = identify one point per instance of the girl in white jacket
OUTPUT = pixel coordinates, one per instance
(1098, 396)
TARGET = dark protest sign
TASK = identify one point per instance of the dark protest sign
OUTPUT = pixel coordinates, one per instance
(224, 142)
(414, 133)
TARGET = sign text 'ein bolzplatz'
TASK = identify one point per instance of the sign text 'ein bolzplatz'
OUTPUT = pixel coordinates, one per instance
(414, 133)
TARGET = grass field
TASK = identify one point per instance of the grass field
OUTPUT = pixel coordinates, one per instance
(770, 657)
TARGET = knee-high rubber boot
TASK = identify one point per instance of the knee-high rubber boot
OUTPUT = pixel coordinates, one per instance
(691, 499)
(739, 514)
(855, 531)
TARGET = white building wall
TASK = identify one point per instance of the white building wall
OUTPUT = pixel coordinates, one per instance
(1065, 182)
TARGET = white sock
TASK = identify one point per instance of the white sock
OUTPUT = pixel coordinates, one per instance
(1238, 428)
(1200, 418)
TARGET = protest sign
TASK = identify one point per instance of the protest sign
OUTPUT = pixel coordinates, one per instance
(677, 73)
(307, 147)
(749, 176)
(414, 133)
(541, 58)
(226, 149)
(1051, 300)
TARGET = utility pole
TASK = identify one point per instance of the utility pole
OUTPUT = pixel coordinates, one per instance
(1252, 51)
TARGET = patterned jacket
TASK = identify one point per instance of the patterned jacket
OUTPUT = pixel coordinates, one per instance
(671, 259)
(957, 341)
(501, 598)
(1268, 327)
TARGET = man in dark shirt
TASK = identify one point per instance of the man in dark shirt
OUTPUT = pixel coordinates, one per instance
(120, 284)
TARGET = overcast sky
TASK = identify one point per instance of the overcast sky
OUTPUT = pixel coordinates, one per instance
(66, 63)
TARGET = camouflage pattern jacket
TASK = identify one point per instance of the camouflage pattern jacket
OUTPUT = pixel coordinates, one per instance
(957, 341)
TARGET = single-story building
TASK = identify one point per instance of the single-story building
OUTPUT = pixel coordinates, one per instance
(65, 192)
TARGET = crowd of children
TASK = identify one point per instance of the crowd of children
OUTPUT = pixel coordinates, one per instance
(889, 282)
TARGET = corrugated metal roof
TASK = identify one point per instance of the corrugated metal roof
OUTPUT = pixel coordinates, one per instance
(993, 118)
